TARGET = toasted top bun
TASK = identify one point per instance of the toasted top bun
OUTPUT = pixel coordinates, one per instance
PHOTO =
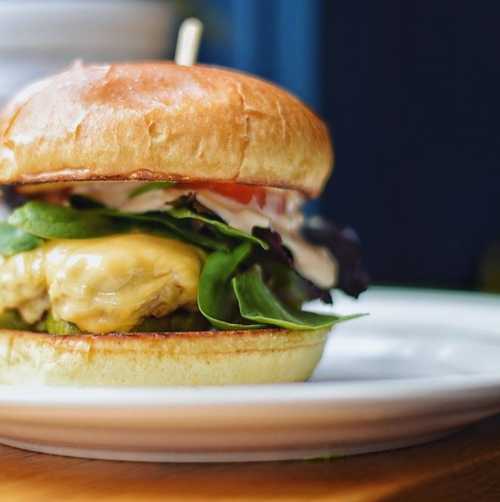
(140, 359)
(150, 121)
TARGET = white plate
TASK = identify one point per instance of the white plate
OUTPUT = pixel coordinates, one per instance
(424, 364)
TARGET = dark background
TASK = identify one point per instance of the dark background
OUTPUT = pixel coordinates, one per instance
(409, 90)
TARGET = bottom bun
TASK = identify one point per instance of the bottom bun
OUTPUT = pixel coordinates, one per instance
(192, 358)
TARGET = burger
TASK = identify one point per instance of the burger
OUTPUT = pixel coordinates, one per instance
(154, 232)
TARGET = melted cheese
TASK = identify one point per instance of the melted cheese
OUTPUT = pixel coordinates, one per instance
(23, 285)
(105, 284)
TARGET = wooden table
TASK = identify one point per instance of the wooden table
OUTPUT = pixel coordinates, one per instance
(464, 467)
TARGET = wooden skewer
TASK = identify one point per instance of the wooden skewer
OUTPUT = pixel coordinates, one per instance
(188, 41)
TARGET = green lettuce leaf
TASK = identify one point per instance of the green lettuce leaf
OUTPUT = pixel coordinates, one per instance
(218, 226)
(87, 218)
(216, 299)
(177, 321)
(50, 221)
(258, 303)
(290, 288)
(56, 326)
(163, 224)
(15, 240)
(11, 319)
(150, 187)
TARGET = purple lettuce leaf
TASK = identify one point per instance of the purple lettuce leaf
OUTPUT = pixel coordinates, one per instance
(344, 244)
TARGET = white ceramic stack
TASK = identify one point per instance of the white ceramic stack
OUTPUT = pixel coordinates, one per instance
(40, 37)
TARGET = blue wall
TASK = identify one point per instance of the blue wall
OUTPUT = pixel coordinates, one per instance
(276, 39)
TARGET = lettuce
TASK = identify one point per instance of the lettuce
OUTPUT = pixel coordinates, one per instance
(344, 244)
(150, 187)
(180, 320)
(15, 240)
(219, 226)
(50, 221)
(10, 319)
(216, 299)
(257, 303)
(248, 280)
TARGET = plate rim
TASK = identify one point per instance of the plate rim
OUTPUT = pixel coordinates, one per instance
(344, 392)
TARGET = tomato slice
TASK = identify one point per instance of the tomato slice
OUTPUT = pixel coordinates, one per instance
(244, 194)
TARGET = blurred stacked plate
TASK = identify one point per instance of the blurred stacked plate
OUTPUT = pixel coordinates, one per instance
(40, 37)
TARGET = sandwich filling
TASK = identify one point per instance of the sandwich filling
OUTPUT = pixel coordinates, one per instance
(108, 257)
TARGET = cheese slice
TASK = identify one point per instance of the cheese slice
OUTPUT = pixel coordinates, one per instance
(23, 285)
(105, 284)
